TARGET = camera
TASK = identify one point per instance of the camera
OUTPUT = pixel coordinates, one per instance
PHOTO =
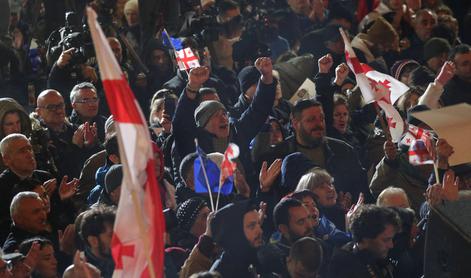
(73, 35)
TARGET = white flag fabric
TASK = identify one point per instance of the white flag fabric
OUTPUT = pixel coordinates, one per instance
(379, 87)
(186, 59)
(415, 133)
(137, 244)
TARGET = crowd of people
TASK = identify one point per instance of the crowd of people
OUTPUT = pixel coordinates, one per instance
(320, 189)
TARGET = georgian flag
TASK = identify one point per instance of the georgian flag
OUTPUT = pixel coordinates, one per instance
(419, 153)
(228, 164)
(186, 59)
(379, 87)
(415, 133)
(138, 237)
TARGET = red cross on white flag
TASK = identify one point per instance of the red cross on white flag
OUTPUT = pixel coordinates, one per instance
(186, 59)
(379, 87)
(419, 153)
(137, 245)
(415, 133)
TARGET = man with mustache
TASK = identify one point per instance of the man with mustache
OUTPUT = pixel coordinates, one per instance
(293, 221)
(336, 156)
(238, 230)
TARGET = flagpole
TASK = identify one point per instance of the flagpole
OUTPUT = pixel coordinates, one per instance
(174, 51)
(219, 194)
(205, 178)
(435, 160)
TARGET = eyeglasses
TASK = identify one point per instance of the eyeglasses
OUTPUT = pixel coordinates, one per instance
(87, 100)
(53, 107)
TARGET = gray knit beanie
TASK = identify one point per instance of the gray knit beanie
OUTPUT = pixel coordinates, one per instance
(205, 110)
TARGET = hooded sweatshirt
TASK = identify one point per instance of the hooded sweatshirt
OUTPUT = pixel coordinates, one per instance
(228, 233)
(10, 105)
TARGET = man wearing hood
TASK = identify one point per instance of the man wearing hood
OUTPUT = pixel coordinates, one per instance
(160, 65)
(13, 119)
(237, 229)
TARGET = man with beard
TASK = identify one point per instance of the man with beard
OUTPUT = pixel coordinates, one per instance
(238, 230)
(96, 230)
(457, 90)
(373, 230)
(336, 156)
(293, 222)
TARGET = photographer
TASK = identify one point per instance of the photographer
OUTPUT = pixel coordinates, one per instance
(66, 72)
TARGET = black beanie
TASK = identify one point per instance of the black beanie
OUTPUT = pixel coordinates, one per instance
(421, 77)
(293, 167)
(188, 211)
(113, 178)
(435, 47)
(248, 76)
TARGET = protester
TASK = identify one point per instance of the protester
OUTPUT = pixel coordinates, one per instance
(292, 193)
(236, 228)
(373, 229)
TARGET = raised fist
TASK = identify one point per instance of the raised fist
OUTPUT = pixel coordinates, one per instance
(265, 67)
(325, 63)
(341, 73)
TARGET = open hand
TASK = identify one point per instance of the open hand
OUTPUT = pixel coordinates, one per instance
(50, 186)
(446, 73)
(354, 208)
(268, 176)
(67, 239)
(344, 200)
(450, 186)
(32, 258)
(67, 189)
(89, 134)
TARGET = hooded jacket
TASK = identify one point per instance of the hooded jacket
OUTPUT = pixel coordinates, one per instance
(228, 233)
(156, 77)
(10, 105)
